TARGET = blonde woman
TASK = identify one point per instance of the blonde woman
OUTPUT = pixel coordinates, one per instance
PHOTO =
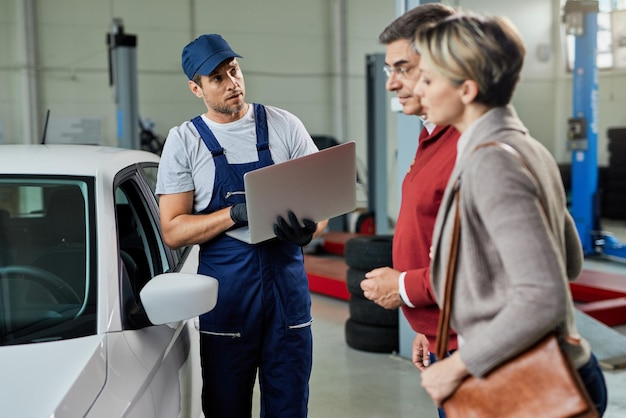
(519, 246)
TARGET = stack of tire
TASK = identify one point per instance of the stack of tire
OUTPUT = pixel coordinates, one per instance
(615, 198)
(370, 327)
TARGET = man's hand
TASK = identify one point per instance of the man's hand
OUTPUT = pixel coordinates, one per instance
(419, 353)
(292, 232)
(239, 213)
(381, 286)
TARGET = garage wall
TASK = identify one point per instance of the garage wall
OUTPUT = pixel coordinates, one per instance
(290, 49)
(535, 97)
(288, 52)
(543, 98)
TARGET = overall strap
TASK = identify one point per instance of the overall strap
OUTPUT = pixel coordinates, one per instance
(262, 133)
(207, 136)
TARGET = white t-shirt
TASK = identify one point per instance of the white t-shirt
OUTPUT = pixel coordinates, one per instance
(186, 163)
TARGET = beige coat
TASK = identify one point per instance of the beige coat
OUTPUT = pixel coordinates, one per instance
(514, 264)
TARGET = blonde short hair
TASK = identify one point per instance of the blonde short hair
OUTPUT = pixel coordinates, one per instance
(467, 46)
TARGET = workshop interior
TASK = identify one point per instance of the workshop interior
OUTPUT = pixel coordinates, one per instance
(107, 73)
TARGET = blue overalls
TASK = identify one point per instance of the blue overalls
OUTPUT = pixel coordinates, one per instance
(263, 314)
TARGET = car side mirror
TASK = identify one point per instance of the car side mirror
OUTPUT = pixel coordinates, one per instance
(172, 297)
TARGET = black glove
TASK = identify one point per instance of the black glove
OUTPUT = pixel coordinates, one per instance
(239, 213)
(294, 233)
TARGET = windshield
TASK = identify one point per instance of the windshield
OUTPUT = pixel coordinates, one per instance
(47, 271)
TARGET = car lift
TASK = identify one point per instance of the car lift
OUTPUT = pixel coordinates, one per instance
(603, 295)
(123, 77)
(581, 20)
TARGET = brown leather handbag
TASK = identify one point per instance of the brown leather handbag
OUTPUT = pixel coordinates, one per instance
(540, 382)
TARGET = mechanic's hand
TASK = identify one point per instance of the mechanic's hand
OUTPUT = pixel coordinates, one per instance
(239, 213)
(419, 352)
(381, 286)
(293, 232)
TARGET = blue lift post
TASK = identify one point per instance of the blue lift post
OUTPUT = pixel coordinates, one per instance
(581, 20)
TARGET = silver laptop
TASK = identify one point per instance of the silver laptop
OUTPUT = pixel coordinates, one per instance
(317, 186)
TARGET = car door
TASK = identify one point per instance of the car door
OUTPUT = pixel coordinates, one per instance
(164, 350)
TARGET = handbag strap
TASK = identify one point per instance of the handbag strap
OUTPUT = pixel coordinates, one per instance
(443, 327)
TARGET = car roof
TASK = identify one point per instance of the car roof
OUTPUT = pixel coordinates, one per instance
(80, 160)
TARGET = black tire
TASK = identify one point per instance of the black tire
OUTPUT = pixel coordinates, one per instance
(616, 134)
(371, 338)
(614, 212)
(616, 148)
(617, 170)
(354, 278)
(616, 199)
(364, 311)
(366, 223)
(615, 188)
(369, 252)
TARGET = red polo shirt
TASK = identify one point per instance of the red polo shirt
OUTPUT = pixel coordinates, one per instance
(422, 191)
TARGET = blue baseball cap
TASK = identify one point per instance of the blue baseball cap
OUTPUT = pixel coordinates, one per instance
(205, 53)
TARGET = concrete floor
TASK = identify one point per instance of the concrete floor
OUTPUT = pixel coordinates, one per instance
(348, 383)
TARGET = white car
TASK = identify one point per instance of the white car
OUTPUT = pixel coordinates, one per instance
(97, 315)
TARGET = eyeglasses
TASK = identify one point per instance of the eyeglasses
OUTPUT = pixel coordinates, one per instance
(401, 72)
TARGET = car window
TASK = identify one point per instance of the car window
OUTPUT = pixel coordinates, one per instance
(143, 254)
(47, 271)
(149, 171)
(150, 175)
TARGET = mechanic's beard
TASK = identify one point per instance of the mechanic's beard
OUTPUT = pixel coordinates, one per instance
(229, 110)
(226, 109)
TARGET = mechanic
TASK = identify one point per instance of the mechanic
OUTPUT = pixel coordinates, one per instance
(407, 284)
(262, 321)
